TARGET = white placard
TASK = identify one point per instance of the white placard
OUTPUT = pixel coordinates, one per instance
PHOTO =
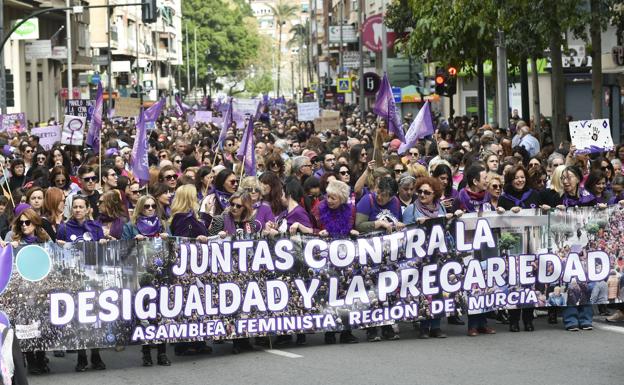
(73, 130)
(38, 49)
(24, 332)
(245, 107)
(47, 135)
(307, 112)
(203, 116)
(591, 135)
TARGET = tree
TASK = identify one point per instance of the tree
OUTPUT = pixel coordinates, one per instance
(301, 36)
(259, 84)
(283, 13)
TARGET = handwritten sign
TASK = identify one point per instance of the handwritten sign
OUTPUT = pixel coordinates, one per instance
(307, 112)
(590, 136)
(13, 123)
(47, 135)
(73, 130)
(203, 116)
(127, 107)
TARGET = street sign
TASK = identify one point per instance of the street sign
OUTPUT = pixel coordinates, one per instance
(101, 60)
(349, 34)
(372, 81)
(396, 94)
(95, 78)
(372, 34)
(59, 52)
(344, 85)
(27, 31)
(38, 49)
(351, 59)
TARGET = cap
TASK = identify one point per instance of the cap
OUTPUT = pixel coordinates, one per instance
(19, 209)
(394, 144)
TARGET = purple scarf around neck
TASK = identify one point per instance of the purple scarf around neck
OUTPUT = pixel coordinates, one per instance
(30, 239)
(519, 202)
(223, 199)
(149, 226)
(583, 199)
(337, 221)
(427, 211)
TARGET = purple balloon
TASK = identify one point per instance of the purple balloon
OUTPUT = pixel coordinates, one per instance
(6, 266)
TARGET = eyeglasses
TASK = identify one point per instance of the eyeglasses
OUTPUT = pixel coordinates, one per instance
(398, 171)
(149, 207)
(41, 158)
(495, 186)
(444, 148)
(233, 182)
(252, 190)
(25, 223)
(171, 177)
(178, 161)
(236, 205)
(89, 179)
(424, 192)
(533, 165)
(345, 172)
(28, 151)
(60, 181)
(162, 156)
(413, 153)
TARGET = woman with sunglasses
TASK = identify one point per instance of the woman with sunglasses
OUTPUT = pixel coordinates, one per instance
(145, 221)
(40, 159)
(275, 163)
(225, 184)
(177, 163)
(169, 176)
(59, 178)
(27, 230)
(112, 214)
(261, 210)
(494, 189)
(27, 153)
(80, 228)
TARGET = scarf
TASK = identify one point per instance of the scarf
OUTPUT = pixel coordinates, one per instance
(427, 211)
(30, 239)
(584, 198)
(149, 226)
(223, 199)
(472, 201)
(87, 231)
(336, 221)
(519, 202)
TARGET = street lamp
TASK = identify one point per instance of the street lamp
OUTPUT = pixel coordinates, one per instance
(210, 76)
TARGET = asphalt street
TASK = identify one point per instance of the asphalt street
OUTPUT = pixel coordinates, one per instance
(549, 355)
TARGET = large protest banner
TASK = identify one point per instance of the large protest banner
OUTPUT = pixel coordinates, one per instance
(93, 295)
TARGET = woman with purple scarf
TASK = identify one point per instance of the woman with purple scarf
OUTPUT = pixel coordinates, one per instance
(145, 222)
(518, 195)
(80, 228)
(28, 230)
(225, 184)
(262, 211)
(112, 214)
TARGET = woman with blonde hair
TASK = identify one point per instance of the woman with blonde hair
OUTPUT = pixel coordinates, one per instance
(261, 210)
(145, 221)
(184, 221)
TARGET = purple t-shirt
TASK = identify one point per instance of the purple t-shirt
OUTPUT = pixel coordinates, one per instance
(391, 211)
(264, 214)
(298, 215)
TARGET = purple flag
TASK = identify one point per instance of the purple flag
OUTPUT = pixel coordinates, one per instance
(139, 163)
(227, 122)
(385, 107)
(151, 114)
(93, 135)
(178, 108)
(246, 153)
(420, 127)
(6, 266)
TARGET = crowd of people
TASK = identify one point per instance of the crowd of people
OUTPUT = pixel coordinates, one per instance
(345, 181)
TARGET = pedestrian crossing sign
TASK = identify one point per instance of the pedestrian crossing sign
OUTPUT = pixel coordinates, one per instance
(344, 85)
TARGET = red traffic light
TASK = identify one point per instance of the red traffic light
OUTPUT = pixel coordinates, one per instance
(439, 80)
(452, 71)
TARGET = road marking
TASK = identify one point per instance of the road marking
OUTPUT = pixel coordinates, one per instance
(617, 329)
(282, 353)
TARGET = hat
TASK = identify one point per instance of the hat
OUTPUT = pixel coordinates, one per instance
(394, 144)
(19, 209)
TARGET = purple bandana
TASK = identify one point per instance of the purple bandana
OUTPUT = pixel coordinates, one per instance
(149, 226)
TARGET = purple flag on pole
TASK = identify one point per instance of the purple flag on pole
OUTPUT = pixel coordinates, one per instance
(178, 108)
(93, 135)
(420, 127)
(227, 122)
(246, 153)
(139, 163)
(385, 107)
(151, 114)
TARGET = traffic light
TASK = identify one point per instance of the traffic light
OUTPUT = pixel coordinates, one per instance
(10, 95)
(440, 81)
(451, 82)
(149, 11)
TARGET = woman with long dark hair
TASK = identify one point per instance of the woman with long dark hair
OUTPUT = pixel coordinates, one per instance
(272, 191)
(162, 194)
(596, 184)
(203, 181)
(225, 184)
(444, 174)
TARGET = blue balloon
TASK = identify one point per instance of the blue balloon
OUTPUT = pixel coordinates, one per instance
(33, 263)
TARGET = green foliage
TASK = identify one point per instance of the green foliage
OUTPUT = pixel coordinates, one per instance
(227, 36)
(259, 84)
(507, 241)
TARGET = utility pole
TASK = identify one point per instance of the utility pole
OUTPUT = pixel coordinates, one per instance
(70, 85)
(109, 54)
(384, 40)
(341, 19)
(3, 99)
(360, 21)
(139, 86)
(188, 66)
(195, 48)
(502, 92)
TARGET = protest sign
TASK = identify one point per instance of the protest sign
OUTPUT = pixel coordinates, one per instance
(127, 107)
(591, 136)
(179, 289)
(203, 116)
(48, 135)
(13, 123)
(329, 120)
(73, 130)
(307, 112)
(80, 107)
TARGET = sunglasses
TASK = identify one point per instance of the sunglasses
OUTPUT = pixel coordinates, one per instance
(397, 171)
(236, 205)
(60, 181)
(177, 161)
(171, 177)
(413, 153)
(163, 156)
(41, 158)
(134, 191)
(252, 190)
(25, 223)
(495, 186)
(233, 182)
(28, 151)
(424, 192)
(90, 179)
(444, 148)
(344, 172)
(148, 207)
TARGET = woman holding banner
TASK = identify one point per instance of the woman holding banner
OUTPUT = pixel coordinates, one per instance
(145, 221)
(80, 228)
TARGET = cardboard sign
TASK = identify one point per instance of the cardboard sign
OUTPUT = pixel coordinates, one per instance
(307, 112)
(329, 120)
(127, 107)
(80, 107)
(73, 130)
(590, 136)
(48, 135)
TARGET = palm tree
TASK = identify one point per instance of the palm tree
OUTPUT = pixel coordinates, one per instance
(282, 13)
(301, 37)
